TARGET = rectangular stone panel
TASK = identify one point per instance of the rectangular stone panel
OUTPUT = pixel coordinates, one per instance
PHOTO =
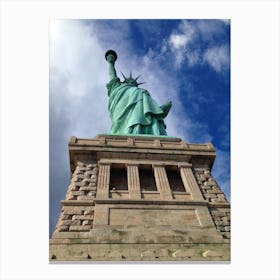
(150, 195)
(153, 217)
(181, 196)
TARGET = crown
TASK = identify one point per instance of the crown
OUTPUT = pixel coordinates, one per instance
(130, 79)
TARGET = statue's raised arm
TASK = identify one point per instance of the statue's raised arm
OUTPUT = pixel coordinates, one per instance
(111, 57)
(132, 110)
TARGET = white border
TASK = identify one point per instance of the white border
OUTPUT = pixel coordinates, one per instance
(255, 137)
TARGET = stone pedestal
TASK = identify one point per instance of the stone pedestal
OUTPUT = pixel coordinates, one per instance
(125, 202)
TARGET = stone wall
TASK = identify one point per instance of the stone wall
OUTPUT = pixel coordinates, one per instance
(214, 195)
(208, 186)
(221, 218)
(83, 183)
(82, 188)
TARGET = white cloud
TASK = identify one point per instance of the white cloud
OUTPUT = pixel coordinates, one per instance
(209, 29)
(178, 43)
(178, 40)
(193, 57)
(217, 58)
(181, 43)
(77, 68)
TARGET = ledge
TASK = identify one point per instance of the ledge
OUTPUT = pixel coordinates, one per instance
(154, 202)
(219, 205)
(77, 202)
(142, 201)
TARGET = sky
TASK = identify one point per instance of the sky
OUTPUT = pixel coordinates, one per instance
(185, 61)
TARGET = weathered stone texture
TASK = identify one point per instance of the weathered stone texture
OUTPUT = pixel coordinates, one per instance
(80, 228)
(221, 218)
(83, 183)
(82, 188)
(139, 252)
(73, 218)
(213, 194)
(208, 186)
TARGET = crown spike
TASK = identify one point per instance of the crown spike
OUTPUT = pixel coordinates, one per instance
(137, 77)
(130, 74)
(123, 76)
(140, 83)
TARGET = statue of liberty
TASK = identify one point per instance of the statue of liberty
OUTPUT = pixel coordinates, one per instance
(132, 110)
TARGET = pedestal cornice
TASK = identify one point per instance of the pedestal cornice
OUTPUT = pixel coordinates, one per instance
(140, 147)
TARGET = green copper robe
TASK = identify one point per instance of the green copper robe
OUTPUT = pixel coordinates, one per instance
(133, 111)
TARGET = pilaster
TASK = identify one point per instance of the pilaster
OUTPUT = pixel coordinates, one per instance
(103, 181)
(133, 181)
(162, 182)
(190, 182)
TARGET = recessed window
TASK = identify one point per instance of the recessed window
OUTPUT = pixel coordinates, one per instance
(147, 180)
(175, 181)
(118, 179)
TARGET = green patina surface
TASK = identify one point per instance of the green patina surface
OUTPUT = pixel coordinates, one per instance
(139, 135)
(132, 110)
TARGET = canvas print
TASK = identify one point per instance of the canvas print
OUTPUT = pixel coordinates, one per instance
(139, 140)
